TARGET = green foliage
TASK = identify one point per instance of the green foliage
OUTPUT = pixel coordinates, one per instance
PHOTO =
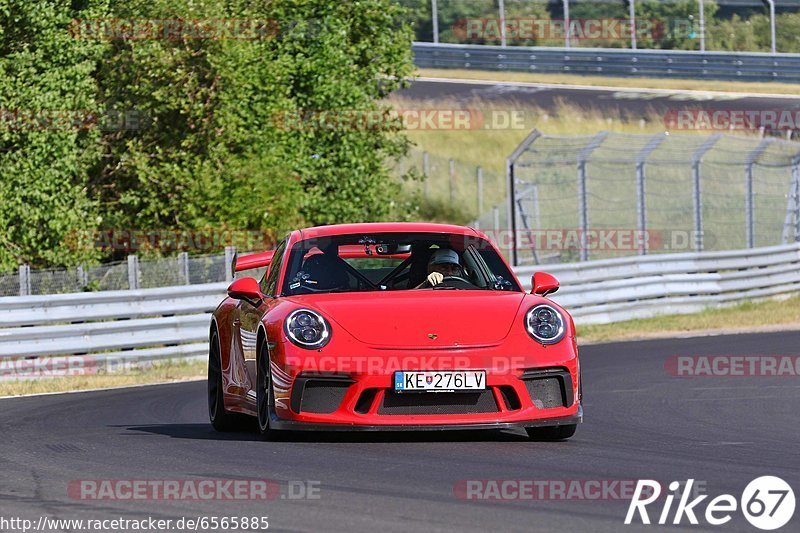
(209, 147)
(46, 82)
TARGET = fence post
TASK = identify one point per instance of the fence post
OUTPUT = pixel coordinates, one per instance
(24, 280)
(697, 198)
(641, 197)
(496, 223)
(133, 272)
(83, 277)
(451, 179)
(435, 20)
(583, 215)
(751, 159)
(502, 8)
(426, 172)
(230, 251)
(183, 267)
(479, 178)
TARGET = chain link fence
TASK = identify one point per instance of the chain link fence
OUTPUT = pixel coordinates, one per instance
(450, 189)
(611, 194)
(120, 275)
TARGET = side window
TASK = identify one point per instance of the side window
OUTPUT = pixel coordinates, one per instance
(270, 281)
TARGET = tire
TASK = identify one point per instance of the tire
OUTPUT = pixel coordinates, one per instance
(549, 433)
(264, 396)
(221, 419)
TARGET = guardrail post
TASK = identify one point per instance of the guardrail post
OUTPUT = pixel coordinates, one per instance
(183, 267)
(133, 272)
(230, 251)
(24, 280)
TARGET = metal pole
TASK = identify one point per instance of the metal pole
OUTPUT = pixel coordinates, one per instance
(567, 39)
(641, 199)
(583, 218)
(426, 172)
(451, 179)
(512, 213)
(502, 7)
(230, 251)
(632, 9)
(479, 177)
(698, 207)
(24, 280)
(796, 169)
(752, 157)
(697, 199)
(702, 27)
(537, 222)
(183, 266)
(435, 20)
(583, 206)
(772, 23)
(133, 272)
(496, 224)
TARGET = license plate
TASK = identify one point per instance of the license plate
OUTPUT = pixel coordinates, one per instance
(439, 381)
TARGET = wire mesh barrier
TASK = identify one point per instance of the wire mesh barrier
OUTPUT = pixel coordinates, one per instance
(120, 275)
(610, 195)
(459, 190)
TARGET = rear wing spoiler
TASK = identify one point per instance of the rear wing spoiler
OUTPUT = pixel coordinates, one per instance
(252, 261)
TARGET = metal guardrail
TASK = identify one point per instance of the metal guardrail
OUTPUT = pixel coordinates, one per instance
(637, 287)
(109, 329)
(750, 66)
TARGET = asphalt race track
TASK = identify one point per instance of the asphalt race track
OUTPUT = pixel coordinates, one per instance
(630, 103)
(640, 422)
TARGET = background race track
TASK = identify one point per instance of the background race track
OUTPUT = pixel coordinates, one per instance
(640, 423)
(631, 103)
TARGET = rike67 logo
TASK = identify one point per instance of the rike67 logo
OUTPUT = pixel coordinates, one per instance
(767, 503)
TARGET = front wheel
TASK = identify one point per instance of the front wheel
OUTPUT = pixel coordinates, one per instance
(552, 432)
(263, 391)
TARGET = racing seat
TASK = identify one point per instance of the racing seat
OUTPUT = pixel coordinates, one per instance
(326, 271)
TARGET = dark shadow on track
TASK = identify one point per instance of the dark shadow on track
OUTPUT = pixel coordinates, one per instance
(206, 432)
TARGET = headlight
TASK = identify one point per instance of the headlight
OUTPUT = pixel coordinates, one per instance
(307, 329)
(545, 324)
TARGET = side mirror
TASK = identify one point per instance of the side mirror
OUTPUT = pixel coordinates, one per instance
(246, 289)
(543, 284)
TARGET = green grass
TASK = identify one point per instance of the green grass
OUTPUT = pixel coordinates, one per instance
(157, 373)
(749, 316)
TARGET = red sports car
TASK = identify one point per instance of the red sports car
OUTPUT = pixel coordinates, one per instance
(391, 326)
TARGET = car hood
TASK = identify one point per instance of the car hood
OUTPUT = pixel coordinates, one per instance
(428, 319)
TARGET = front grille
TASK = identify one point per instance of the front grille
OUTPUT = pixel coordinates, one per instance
(319, 394)
(437, 403)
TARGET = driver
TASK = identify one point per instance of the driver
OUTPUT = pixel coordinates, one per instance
(443, 263)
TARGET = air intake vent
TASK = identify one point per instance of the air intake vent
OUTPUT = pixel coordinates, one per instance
(319, 394)
(437, 403)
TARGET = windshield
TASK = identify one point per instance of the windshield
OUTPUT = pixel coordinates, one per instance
(395, 261)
